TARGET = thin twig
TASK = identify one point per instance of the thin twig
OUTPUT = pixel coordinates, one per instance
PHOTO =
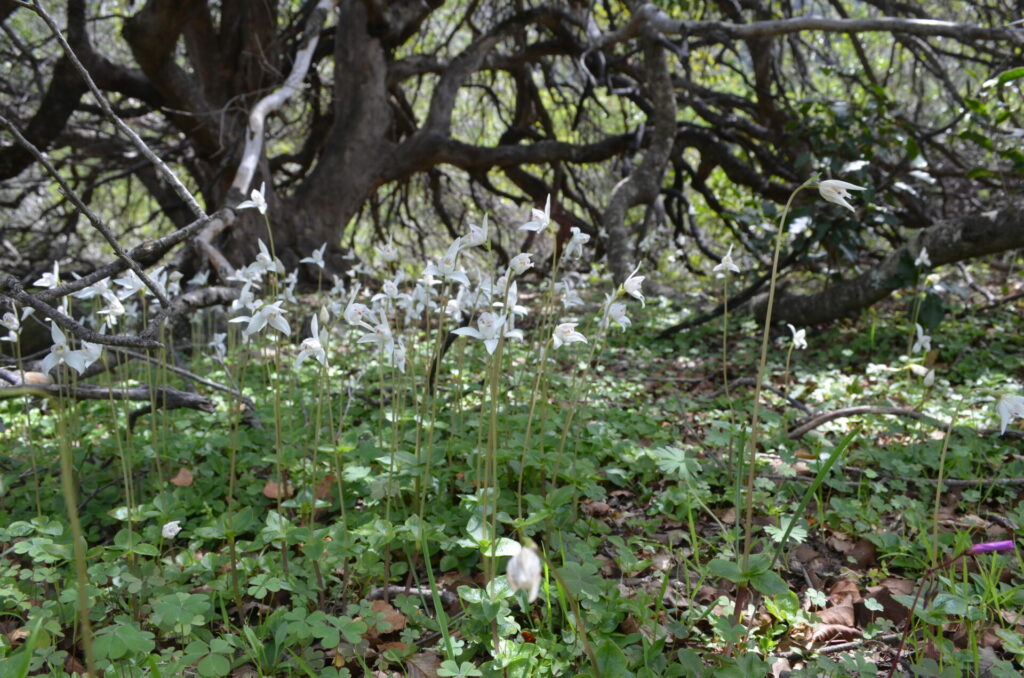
(825, 417)
(750, 381)
(93, 218)
(146, 253)
(11, 288)
(189, 375)
(136, 140)
(163, 397)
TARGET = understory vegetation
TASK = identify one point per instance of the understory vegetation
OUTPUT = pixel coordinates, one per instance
(510, 477)
(617, 339)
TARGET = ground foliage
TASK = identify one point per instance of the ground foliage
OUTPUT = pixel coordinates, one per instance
(341, 492)
(329, 475)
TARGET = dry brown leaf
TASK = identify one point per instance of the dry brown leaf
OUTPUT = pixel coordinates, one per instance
(18, 635)
(423, 665)
(781, 667)
(900, 586)
(607, 566)
(630, 624)
(834, 632)
(727, 516)
(183, 478)
(392, 616)
(841, 543)
(325, 489)
(892, 610)
(844, 592)
(1013, 617)
(273, 490)
(863, 554)
(804, 554)
(841, 615)
(38, 379)
(72, 665)
(245, 671)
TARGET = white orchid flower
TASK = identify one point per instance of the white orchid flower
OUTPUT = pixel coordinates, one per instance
(61, 352)
(265, 262)
(568, 295)
(398, 356)
(268, 314)
(13, 326)
(131, 283)
(1008, 408)
(922, 260)
(799, 337)
(317, 258)
(445, 267)
(113, 310)
(574, 248)
(199, 279)
(170, 530)
(248, 275)
(519, 264)
(634, 286)
(91, 352)
(387, 252)
(540, 220)
(381, 336)
(487, 330)
(524, 572)
(923, 343)
(727, 263)
(220, 349)
(246, 299)
(257, 200)
(565, 334)
(615, 312)
(836, 192)
(477, 235)
(390, 291)
(356, 314)
(100, 288)
(50, 279)
(313, 346)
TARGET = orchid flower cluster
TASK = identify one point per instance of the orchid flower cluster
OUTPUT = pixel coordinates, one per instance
(115, 301)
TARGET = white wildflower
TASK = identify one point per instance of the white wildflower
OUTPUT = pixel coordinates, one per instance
(835, 191)
(257, 200)
(524, 572)
(565, 334)
(539, 220)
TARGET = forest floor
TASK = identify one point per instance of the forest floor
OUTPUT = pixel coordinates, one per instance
(349, 524)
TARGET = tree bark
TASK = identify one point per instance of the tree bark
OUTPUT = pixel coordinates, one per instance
(947, 242)
(642, 186)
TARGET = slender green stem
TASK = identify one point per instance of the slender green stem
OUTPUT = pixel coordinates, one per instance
(938, 485)
(78, 539)
(748, 518)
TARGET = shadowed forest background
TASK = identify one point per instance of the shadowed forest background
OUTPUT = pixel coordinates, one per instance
(424, 338)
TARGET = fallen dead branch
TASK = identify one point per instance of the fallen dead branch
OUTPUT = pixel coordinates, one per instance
(160, 398)
(824, 417)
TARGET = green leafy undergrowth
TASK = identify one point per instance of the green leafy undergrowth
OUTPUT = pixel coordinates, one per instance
(343, 527)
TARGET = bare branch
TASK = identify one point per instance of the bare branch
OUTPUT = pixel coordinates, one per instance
(161, 397)
(946, 242)
(643, 184)
(271, 102)
(136, 140)
(716, 31)
(11, 288)
(93, 218)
